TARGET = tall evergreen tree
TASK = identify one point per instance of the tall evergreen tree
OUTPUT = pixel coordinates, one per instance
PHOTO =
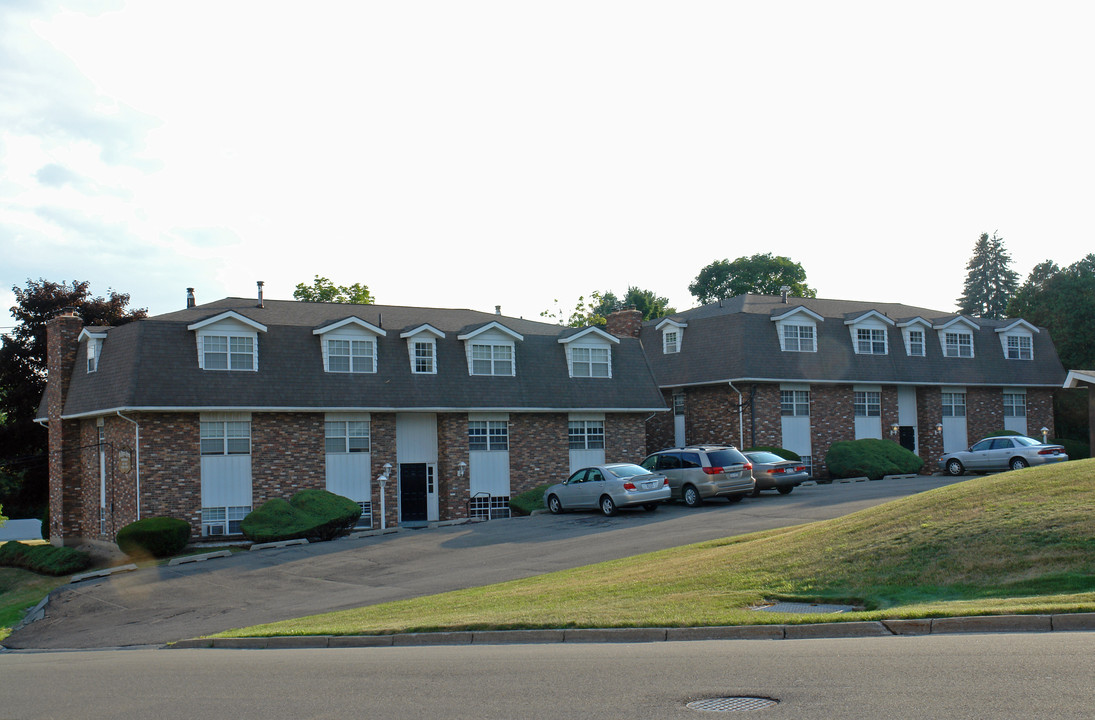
(990, 282)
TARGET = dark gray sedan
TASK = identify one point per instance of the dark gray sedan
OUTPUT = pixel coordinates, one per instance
(609, 487)
(1008, 452)
(775, 473)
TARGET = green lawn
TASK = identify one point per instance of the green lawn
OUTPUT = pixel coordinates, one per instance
(20, 590)
(1018, 542)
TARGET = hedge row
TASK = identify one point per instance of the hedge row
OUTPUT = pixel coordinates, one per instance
(44, 559)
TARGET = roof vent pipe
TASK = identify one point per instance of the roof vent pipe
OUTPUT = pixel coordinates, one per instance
(497, 309)
(260, 284)
(191, 301)
(783, 293)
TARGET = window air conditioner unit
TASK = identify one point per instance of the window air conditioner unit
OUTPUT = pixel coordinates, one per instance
(213, 529)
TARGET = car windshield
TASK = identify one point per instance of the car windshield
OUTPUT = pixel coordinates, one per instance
(722, 458)
(1023, 440)
(764, 457)
(626, 471)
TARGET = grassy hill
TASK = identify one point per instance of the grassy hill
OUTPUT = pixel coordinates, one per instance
(1018, 542)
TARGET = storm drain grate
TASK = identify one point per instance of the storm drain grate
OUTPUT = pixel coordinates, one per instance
(732, 704)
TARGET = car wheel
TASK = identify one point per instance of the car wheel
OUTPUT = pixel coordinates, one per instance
(954, 467)
(607, 506)
(1017, 463)
(691, 496)
(650, 507)
(734, 498)
(755, 493)
(554, 506)
(785, 490)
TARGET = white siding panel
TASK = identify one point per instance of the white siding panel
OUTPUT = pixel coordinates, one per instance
(348, 475)
(416, 437)
(489, 472)
(796, 435)
(954, 434)
(1019, 425)
(906, 405)
(226, 480)
(586, 458)
(868, 427)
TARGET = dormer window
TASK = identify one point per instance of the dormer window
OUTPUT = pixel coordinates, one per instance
(228, 341)
(349, 346)
(958, 344)
(1020, 347)
(799, 338)
(422, 348)
(490, 349)
(591, 362)
(672, 335)
(94, 347)
(671, 342)
(351, 356)
(870, 341)
(916, 343)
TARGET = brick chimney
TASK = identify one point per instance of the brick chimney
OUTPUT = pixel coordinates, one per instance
(62, 341)
(625, 323)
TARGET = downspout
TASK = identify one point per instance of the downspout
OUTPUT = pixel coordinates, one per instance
(741, 429)
(137, 459)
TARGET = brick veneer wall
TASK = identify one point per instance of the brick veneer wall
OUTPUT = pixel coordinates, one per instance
(539, 450)
(452, 449)
(929, 404)
(1040, 412)
(659, 426)
(382, 450)
(832, 419)
(984, 412)
(625, 437)
(171, 481)
(763, 421)
(65, 511)
(287, 455)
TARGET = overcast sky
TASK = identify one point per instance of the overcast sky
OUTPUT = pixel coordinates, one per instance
(474, 154)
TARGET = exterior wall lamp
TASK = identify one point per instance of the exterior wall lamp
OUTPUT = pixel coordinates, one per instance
(939, 428)
(461, 468)
(893, 429)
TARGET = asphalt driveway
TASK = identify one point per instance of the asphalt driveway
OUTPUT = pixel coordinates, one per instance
(163, 604)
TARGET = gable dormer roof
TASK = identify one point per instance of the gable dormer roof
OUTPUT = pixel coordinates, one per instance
(95, 333)
(671, 321)
(858, 317)
(475, 331)
(1020, 323)
(424, 328)
(352, 320)
(590, 331)
(778, 315)
(227, 315)
(947, 323)
(915, 320)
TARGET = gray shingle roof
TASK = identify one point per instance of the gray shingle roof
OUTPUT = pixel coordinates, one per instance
(737, 340)
(153, 363)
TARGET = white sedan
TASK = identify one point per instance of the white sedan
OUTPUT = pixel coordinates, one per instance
(609, 487)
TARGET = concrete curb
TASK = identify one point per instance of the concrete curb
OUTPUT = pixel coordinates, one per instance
(107, 572)
(1078, 622)
(198, 558)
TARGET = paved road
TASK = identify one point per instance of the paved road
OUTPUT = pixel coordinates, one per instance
(160, 605)
(951, 677)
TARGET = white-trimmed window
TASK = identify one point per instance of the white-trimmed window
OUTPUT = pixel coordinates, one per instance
(424, 357)
(678, 403)
(93, 347)
(916, 343)
(590, 362)
(586, 434)
(228, 352)
(870, 341)
(799, 338)
(671, 341)
(488, 435)
(346, 436)
(954, 404)
(223, 520)
(957, 344)
(232, 437)
(491, 359)
(350, 356)
(1015, 404)
(1020, 347)
(868, 404)
(794, 403)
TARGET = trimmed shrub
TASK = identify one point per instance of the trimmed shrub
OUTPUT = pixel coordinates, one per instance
(1076, 449)
(783, 453)
(529, 500)
(870, 457)
(156, 537)
(316, 515)
(44, 559)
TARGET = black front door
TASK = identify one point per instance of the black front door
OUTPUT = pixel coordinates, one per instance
(907, 435)
(412, 492)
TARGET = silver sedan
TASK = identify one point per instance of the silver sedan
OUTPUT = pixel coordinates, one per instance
(772, 472)
(609, 487)
(1007, 452)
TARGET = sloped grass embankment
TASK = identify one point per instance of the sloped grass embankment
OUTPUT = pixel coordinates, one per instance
(1018, 542)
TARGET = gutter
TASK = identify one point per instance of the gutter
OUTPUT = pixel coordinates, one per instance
(137, 460)
(741, 428)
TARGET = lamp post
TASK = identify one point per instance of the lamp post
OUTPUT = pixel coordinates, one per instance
(1045, 435)
(383, 491)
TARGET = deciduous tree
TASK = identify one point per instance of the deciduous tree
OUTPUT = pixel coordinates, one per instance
(762, 274)
(323, 290)
(1062, 300)
(23, 376)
